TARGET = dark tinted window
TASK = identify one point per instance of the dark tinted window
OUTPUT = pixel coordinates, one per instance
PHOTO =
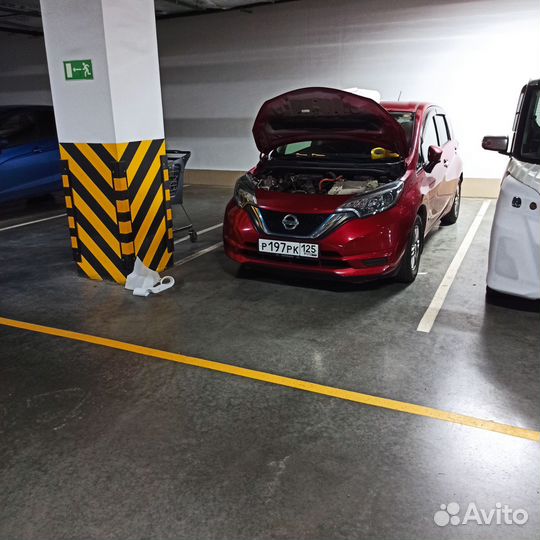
(442, 129)
(17, 128)
(429, 138)
(528, 147)
(46, 124)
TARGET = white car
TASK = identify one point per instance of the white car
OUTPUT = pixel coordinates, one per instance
(514, 253)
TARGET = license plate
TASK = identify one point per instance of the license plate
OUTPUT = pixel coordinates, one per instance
(292, 249)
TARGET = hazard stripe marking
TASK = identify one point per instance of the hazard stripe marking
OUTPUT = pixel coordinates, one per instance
(96, 161)
(97, 224)
(158, 239)
(137, 159)
(116, 193)
(92, 189)
(113, 271)
(147, 184)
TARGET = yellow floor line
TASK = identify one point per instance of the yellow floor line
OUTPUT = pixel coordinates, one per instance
(281, 380)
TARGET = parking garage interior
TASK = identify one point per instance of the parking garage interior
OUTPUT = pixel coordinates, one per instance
(249, 401)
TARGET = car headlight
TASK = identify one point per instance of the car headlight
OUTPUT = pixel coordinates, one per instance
(375, 201)
(244, 191)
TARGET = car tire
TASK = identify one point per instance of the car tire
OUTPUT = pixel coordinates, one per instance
(452, 216)
(44, 199)
(410, 263)
(244, 271)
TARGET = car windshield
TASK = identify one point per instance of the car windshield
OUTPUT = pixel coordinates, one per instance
(406, 121)
(318, 149)
(345, 149)
(528, 147)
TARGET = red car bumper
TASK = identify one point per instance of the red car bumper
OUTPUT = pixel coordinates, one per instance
(361, 248)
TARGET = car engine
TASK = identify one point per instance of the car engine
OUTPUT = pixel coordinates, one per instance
(328, 183)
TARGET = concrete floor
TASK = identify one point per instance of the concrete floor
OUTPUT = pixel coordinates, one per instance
(97, 443)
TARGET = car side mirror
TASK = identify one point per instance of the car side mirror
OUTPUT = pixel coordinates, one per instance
(434, 156)
(496, 143)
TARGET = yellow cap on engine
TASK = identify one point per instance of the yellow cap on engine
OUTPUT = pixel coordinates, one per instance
(383, 153)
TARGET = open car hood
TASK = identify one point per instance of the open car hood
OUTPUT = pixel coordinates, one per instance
(326, 114)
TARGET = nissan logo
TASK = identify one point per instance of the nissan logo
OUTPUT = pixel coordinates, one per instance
(290, 222)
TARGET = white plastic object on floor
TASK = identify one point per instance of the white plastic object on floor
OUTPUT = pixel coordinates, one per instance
(143, 280)
(514, 252)
(163, 284)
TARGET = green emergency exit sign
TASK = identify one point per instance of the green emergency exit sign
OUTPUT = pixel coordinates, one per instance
(76, 70)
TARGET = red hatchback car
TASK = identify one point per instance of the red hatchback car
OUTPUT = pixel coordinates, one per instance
(345, 186)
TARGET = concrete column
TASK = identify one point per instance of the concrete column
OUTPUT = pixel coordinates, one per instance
(104, 72)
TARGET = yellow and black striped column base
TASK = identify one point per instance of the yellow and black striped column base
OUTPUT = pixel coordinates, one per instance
(119, 206)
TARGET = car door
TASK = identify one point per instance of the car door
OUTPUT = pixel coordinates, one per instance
(47, 146)
(431, 176)
(29, 155)
(447, 188)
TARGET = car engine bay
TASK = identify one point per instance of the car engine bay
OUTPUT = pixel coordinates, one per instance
(323, 183)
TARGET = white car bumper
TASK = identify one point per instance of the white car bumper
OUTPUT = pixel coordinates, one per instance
(514, 255)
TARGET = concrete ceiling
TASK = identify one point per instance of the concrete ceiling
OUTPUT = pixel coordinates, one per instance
(24, 16)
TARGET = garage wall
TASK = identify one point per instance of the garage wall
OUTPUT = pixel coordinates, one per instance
(471, 57)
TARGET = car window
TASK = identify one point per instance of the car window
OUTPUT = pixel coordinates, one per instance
(518, 109)
(46, 124)
(325, 149)
(529, 149)
(406, 121)
(442, 129)
(429, 138)
(296, 147)
(18, 128)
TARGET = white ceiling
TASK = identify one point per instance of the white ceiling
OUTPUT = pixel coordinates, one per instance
(23, 16)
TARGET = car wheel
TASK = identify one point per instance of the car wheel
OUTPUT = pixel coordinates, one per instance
(411, 259)
(244, 271)
(45, 199)
(452, 216)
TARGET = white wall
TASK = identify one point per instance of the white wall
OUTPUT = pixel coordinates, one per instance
(471, 57)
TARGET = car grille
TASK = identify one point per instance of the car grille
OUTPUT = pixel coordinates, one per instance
(307, 223)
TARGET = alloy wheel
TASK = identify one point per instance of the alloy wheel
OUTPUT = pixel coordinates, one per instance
(457, 201)
(415, 247)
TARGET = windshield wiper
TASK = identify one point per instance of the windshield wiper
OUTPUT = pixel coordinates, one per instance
(345, 157)
(313, 154)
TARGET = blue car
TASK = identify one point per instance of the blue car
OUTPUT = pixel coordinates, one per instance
(29, 155)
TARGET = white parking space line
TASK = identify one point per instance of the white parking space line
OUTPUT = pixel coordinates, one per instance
(426, 324)
(198, 254)
(31, 222)
(202, 231)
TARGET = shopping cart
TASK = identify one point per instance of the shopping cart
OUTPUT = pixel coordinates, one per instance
(177, 161)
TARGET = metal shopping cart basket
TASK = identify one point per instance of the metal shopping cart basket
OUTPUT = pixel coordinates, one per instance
(177, 161)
